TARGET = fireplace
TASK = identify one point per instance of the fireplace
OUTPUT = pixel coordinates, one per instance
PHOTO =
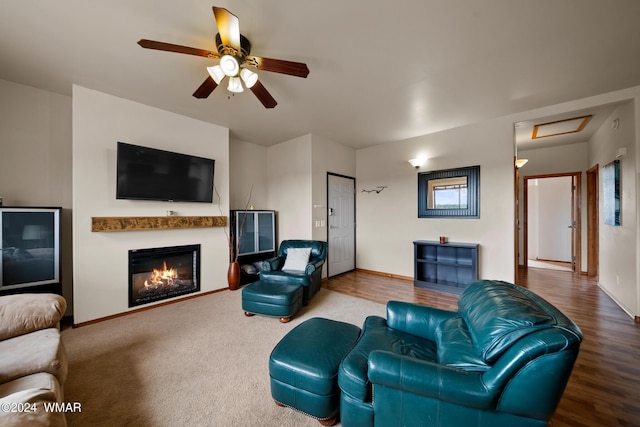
(159, 273)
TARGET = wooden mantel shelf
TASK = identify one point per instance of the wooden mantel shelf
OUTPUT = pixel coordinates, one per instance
(138, 223)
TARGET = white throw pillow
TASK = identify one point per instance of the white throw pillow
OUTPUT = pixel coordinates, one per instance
(297, 259)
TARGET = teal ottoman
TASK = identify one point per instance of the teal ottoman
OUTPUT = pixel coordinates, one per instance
(303, 367)
(272, 299)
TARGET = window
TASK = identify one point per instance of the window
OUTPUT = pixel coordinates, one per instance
(448, 193)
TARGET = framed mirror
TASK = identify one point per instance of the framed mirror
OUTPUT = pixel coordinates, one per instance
(450, 193)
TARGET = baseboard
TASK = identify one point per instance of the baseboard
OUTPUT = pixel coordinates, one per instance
(149, 307)
(380, 273)
(635, 318)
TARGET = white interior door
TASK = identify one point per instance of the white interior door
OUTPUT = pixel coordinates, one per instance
(341, 230)
(550, 219)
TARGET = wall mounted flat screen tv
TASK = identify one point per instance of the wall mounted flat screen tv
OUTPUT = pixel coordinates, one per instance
(145, 173)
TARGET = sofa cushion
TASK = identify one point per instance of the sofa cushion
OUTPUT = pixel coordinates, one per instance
(455, 346)
(31, 392)
(318, 248)
(39, 351)
(291, 277)
(24, 313)
(376, 335)
(297, 259)
(499, 313)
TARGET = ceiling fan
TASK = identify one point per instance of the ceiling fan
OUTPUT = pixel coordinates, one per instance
(236, 62)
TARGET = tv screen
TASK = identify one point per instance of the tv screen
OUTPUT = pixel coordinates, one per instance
(30, 247)
(151, 174)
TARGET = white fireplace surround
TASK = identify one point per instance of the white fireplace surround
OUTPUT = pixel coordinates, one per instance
(100, 267)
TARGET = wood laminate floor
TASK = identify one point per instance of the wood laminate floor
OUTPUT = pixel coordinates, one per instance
(604, 388)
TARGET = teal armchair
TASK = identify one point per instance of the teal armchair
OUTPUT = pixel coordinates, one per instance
(503, 359)
(309, 278)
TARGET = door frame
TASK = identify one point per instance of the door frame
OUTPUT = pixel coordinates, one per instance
(593, 243)
(354, 218)
(576, 216)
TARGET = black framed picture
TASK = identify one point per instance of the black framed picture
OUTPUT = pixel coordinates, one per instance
(611, 193)
(449, 193)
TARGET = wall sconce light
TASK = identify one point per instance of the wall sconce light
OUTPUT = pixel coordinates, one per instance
(521, 162)
(417, 162)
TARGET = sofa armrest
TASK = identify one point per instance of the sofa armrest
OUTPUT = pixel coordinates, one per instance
(313, 266)
(24, 313)
(429, 379)
(416, 319)
(272, 264)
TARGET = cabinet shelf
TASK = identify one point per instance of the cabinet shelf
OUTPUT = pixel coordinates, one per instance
(447, 267)
(459, 263)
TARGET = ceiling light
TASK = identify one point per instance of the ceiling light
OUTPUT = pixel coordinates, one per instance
(235, 85)
(229, 65)
(417, 162)
(249, 77)
(216, 73)
(521, 162)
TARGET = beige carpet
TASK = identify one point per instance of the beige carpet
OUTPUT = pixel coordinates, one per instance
(198, 362)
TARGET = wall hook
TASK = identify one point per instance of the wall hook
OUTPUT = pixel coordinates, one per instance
(377, 190)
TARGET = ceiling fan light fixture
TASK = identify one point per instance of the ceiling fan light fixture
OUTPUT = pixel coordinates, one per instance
(216, 73)
(235, 85)
(249, 77)
(229, 65)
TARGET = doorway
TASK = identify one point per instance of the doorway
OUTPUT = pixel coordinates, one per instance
(341, 231)
(552, 221)
(592, 221)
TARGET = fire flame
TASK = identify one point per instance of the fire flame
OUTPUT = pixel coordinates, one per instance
(162, 277)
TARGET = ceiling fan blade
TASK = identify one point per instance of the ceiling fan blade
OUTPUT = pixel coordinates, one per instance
(205, 88)
(168, 47)
(263, 95)
(290, 68)
(228, 27)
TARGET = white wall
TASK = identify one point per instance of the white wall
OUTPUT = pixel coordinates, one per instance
(297, 181)
(101, 259)
(247, 175)
(327, 156)
(388, 223)
(618, 272)
(290, 187)
(35, 158)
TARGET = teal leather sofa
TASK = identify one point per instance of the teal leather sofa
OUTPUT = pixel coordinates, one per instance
(503, 359)
(309, 278)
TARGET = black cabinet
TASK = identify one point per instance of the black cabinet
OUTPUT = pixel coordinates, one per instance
(30, 239)
(254, 238)
(446, 267)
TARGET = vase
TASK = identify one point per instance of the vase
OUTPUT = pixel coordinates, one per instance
(233, 276)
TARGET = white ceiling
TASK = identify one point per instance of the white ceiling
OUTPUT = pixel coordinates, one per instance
(379, 71)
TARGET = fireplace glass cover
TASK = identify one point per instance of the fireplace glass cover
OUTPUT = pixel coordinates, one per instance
(160, 273)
